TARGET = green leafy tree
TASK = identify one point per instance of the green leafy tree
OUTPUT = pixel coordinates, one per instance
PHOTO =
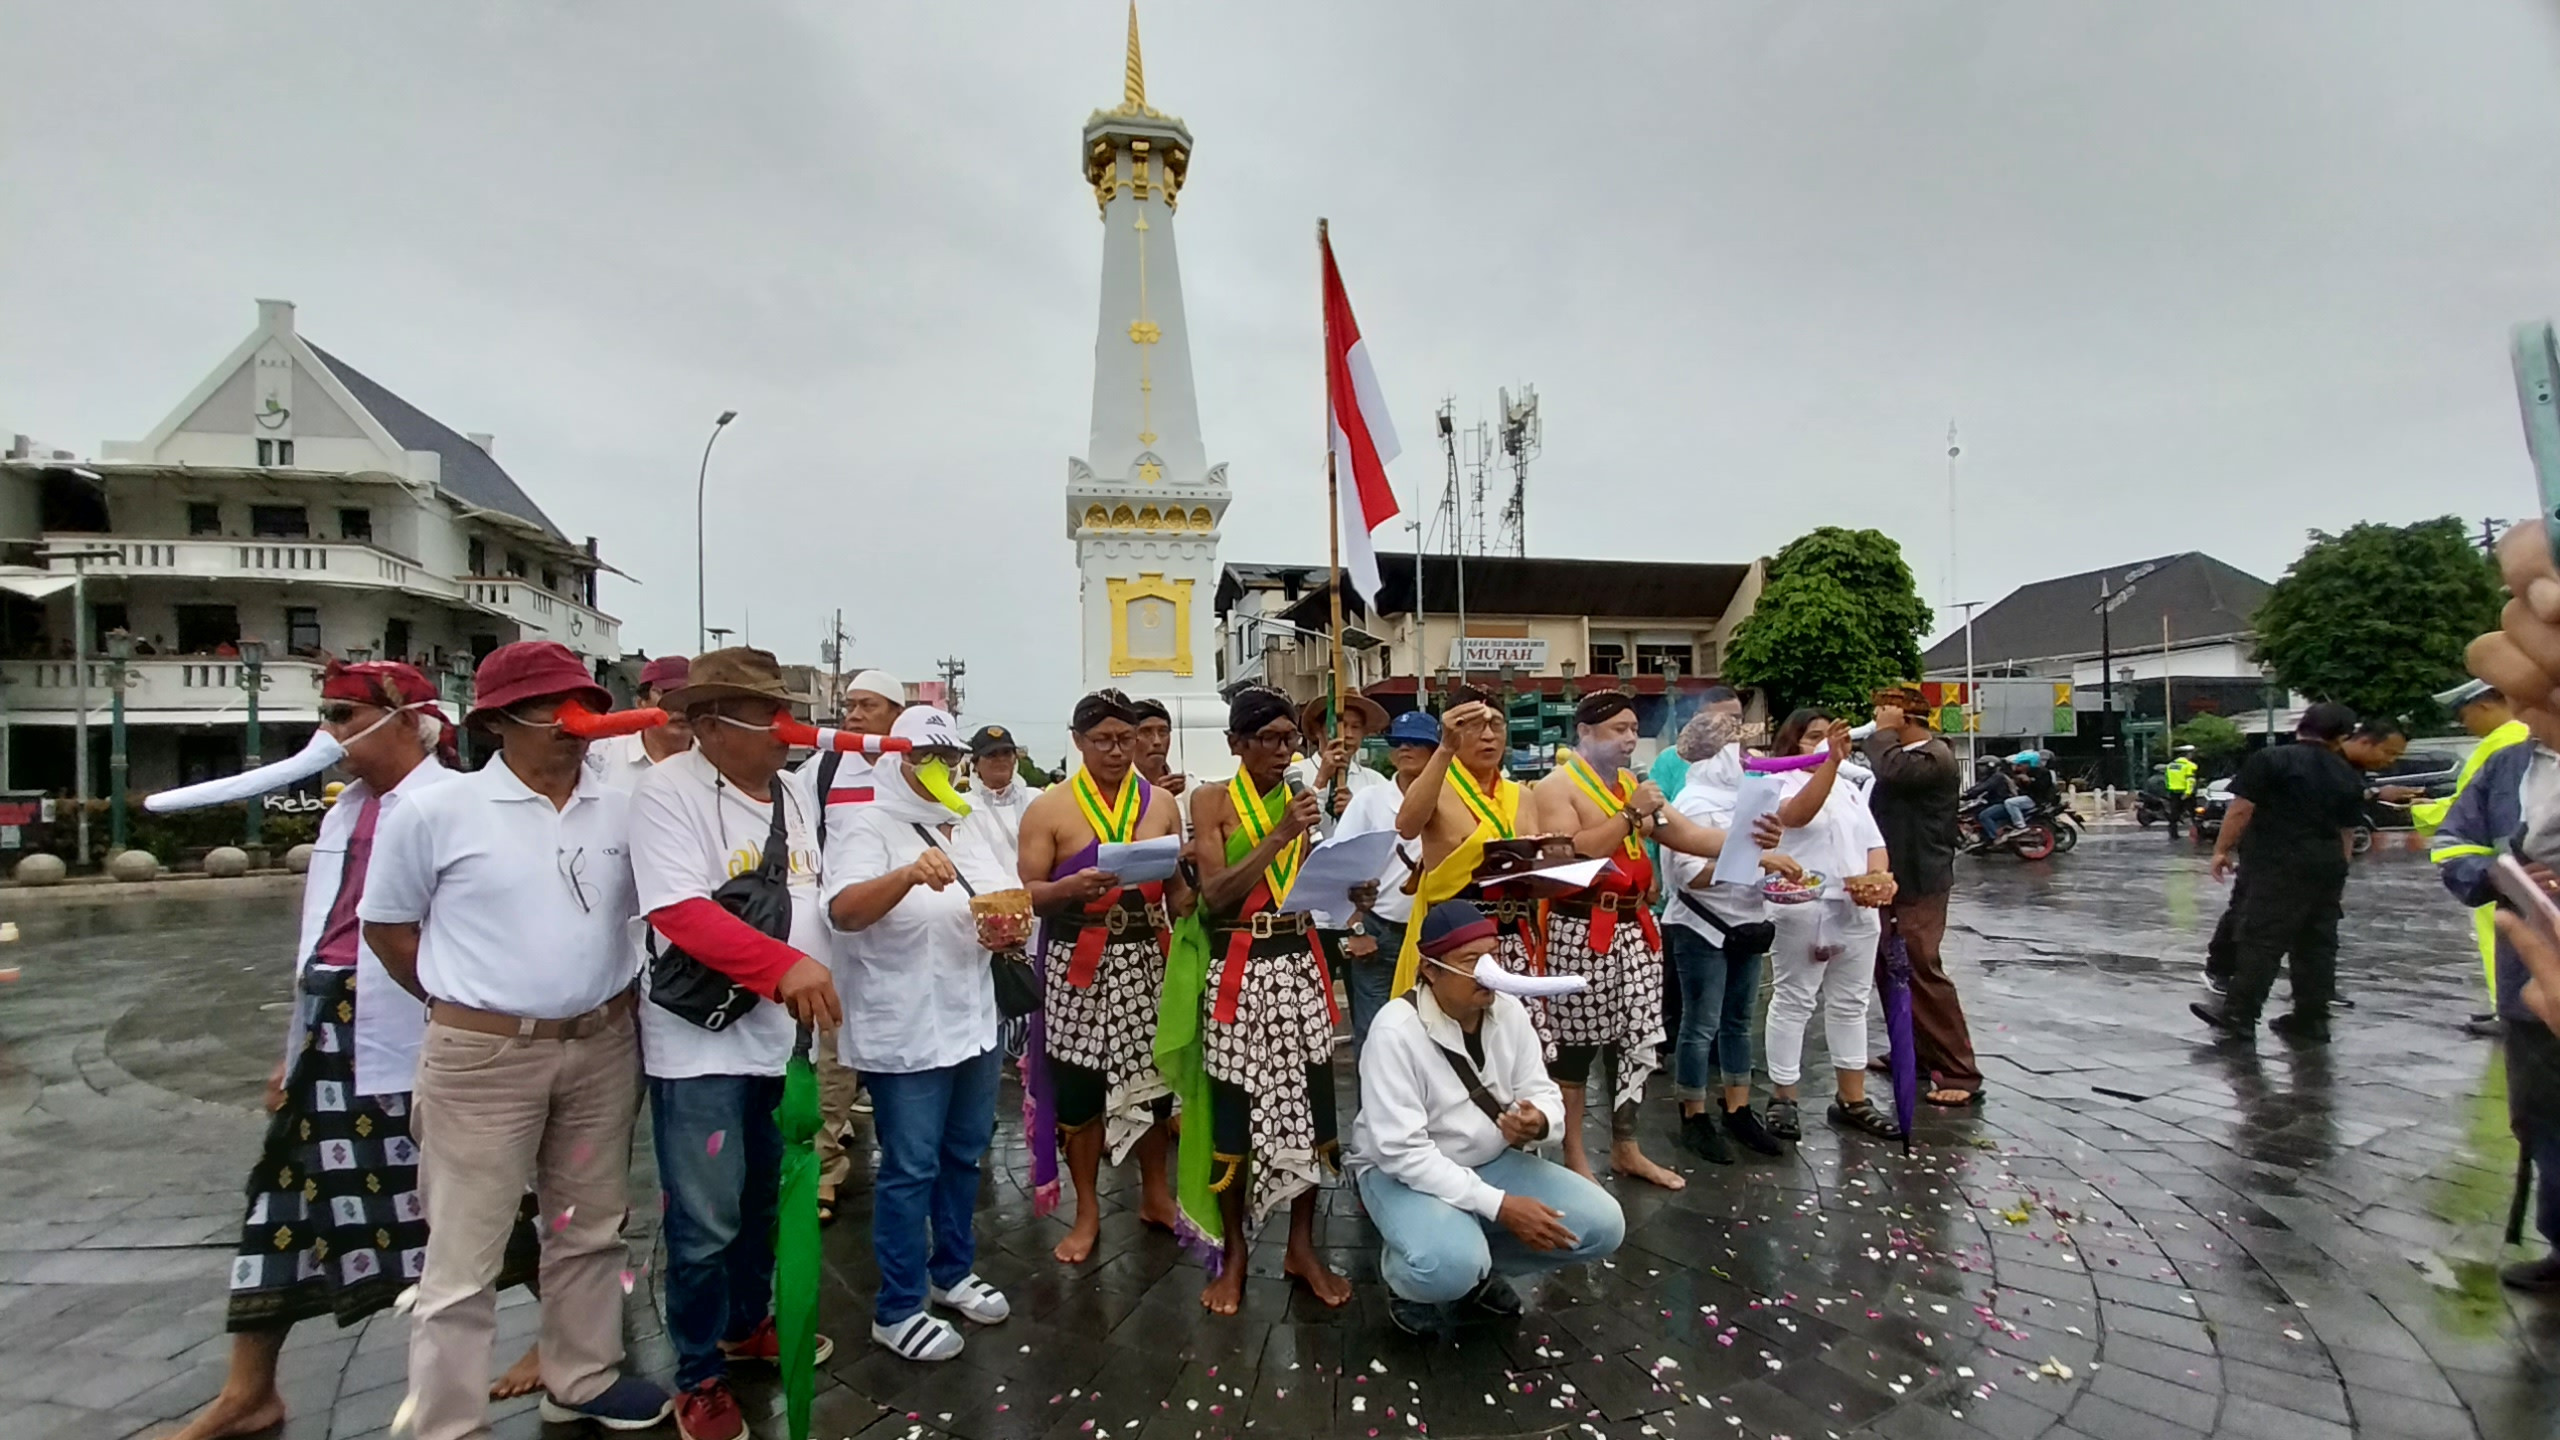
(1840, 618)
(2377, 617)
(2218, 742)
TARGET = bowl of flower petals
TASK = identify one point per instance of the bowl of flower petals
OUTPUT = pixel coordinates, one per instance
(1781, 890)
(1004, 919)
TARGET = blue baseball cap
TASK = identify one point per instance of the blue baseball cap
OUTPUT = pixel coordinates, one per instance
(1414, 727)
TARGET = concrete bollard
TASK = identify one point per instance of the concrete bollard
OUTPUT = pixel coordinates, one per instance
(41, 869)
(134, 865)
(298, 859)
(226, 862)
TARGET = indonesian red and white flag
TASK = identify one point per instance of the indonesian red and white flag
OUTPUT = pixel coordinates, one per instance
(1364, 439)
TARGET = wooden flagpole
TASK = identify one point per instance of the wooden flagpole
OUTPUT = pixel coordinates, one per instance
(1332, 496)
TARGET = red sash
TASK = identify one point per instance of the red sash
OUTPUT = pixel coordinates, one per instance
(1091, 935)
(1630, 875)
(1240, 943)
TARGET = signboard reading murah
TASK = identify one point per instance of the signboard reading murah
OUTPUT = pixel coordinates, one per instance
(1475, 653)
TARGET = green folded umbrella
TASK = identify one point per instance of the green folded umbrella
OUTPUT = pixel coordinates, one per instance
(795, 1241)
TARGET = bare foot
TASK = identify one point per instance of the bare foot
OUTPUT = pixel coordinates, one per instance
(1944, 1095)
(1225, 1295)
(233, 1415)
(1078, 1246)
(1626, 1159)
(1578, 1163)
(1160, 1212)
(522, 1378)
(1312, 1272)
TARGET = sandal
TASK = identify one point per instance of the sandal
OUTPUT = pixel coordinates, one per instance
(1972, 1099)
(1864, 1116)
(1785, 1121)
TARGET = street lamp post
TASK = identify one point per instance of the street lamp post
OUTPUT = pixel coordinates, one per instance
(253, 678)
(80, 679)
(701, 481)
(119, 650)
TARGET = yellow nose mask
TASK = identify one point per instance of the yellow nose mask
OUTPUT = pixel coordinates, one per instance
(935, 777)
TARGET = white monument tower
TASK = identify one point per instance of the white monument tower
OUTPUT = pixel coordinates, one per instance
(1144, 504)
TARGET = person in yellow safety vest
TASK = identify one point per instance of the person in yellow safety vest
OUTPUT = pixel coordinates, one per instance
(2178, 777)
(2483, 712)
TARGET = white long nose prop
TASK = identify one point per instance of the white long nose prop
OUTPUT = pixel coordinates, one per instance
(1491, 975)
(323, 752)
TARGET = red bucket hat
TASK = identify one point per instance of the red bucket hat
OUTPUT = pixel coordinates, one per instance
(532, 670)
(666, 673)
(387, 683)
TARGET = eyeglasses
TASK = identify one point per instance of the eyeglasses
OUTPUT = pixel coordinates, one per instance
(1289, 739)
(1111, 742)
(573, 868)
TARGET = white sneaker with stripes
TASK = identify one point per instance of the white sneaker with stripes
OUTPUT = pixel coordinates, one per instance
(921, 1336)
(975, 1299)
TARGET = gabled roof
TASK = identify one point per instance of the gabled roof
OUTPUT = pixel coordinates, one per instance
(2202, 598)
(1544, 585)
(469, 472)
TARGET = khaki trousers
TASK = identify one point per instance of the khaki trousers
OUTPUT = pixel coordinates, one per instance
(836, 1085)
(492, 1114)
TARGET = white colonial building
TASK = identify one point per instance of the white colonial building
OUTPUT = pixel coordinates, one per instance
(291, 501)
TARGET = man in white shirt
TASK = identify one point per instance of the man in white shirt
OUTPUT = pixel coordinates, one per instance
(841, 784)
(699, 823)
(1452, 1086)
(1375, 936)
(503, 899)
(995, 790)
(620, 760)
(1336, 772)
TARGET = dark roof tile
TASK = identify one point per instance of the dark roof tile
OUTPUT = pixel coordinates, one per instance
(2201, 597)
(469, 472)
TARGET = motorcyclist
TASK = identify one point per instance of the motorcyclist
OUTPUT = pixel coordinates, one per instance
(2180, 781)
(2034, 778)
(2002, 805)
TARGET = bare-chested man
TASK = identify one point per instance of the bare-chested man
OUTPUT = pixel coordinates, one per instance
(1103, 948)
(1607, 933)
(1460, 800)
(1268, 1032)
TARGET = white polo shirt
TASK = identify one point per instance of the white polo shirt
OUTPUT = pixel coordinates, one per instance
(691, 832)
(917, 988)
(524, 908)
(620, 761)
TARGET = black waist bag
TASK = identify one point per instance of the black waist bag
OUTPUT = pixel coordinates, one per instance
(1741, 942)
(694, 992)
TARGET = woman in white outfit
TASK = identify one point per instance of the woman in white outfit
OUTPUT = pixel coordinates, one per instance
(1825, 952)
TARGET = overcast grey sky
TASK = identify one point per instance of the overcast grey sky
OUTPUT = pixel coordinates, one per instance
(2188, 275)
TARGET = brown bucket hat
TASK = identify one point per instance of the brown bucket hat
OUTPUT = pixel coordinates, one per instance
(737, 673)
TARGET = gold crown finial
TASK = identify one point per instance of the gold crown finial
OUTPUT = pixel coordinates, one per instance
(1134, 84)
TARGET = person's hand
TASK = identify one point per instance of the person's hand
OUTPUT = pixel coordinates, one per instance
(1337, 756)
(808, 991)
(1521, 1124)
(1360, 947)
(1364, 895)
(2221, 866)
(2542, 875)
(1536, 1225)
(1463, 718)
(932, 869)
(1087, 884)
(1839, 744)
(1648, 800)
(1301, 816)
(1173, 782)
(2540, 952)
(274, 1099)
(1341, 800)
(1766, 831)
(1778, 862)
(2522, 656)
(1889, 717)
(2399, 794)
(1875, 894)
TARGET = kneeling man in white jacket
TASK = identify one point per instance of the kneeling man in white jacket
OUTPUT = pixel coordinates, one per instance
(1452, 1084)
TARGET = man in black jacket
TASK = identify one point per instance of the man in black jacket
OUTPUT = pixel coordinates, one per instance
(1914, 800)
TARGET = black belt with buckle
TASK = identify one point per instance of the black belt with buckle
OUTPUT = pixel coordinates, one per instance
(1121, 919)
(1265, 924)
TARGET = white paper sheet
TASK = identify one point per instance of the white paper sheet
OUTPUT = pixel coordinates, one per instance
(1140, 861)
(1553, 881)
(1324, 882)
(1739, 864)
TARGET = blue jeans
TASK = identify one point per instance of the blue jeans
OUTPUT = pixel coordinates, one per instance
(2012, 811)
(1716, 999)
(1372, 981)
(720, 1210)
(933, 1127)
(1436, 1252)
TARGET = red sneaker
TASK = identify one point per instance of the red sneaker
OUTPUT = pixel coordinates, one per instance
(709, 1412)
(764, 1347)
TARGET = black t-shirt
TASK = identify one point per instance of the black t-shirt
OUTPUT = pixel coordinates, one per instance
(2303, 796)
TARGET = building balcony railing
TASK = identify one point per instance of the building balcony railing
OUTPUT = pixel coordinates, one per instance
(162, 689)
(546, 616)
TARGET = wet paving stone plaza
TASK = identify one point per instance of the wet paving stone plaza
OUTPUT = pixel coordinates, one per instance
(2139, 1237)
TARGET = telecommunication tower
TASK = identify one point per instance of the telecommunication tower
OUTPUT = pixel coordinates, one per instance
(1521, 443)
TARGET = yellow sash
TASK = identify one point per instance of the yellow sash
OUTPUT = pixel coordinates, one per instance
(1611, 799)
(1257, 816)
(1117, 822)
(1497, 817)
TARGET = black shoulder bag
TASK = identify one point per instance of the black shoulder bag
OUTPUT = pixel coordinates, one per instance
(694, 992)
(1741, 942)
(1017, 984)
(1466, 1069)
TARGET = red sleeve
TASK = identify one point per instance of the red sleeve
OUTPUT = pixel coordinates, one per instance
(725, 943)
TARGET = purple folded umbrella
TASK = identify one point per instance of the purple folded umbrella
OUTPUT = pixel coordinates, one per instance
(1893, 984)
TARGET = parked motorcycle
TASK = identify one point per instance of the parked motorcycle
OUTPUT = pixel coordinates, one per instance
(2034, 840)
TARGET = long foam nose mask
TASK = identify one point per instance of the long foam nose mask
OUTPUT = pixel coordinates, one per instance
(322, 752)
(576, 719)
